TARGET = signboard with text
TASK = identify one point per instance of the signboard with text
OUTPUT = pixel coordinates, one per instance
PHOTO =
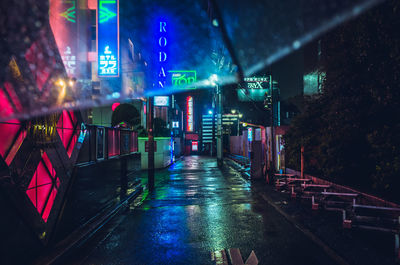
(189, 114)
(161, 101)
(183, 79)
(108, 38)
(63, 22)
(255, 89)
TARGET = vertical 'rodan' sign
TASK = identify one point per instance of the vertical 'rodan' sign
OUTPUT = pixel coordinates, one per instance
(162, 54)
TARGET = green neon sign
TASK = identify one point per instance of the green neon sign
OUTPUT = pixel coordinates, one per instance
(183, 78)
(104, 13)
(70, 13)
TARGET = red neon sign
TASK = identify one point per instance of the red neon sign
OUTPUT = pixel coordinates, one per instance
(189, 114)
(195, 146)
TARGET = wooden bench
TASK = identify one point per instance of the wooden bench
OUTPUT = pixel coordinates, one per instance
(384, 219)
(284, 175)
(290, 182)
(295, 184)
(313, 191)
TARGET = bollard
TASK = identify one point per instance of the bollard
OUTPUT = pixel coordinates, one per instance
(347, 224)
(314, 206)
(293, 195)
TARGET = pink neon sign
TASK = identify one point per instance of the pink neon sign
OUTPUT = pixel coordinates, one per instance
(189, 114)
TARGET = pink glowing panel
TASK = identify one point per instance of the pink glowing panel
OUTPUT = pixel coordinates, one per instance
(115, 105)
(6, 107)
(15, 147)
(38, 64)
(41, 190)
(41, 177)
(49, 205)
(8, 133)
(49, 166)
(42, 193)
(72, 144)
(11, 92)
(65, 128)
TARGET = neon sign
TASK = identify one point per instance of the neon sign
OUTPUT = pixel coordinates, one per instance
(189, 114)
(195, 146)
(63, 17)
(257, 82)
(175, 124)
(162, 54)
(161, 101)
(250, 134)
(183, 78)
(256, 88)
(70, 13)
(108, 38)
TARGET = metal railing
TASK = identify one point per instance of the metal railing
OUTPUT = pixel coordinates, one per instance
(103, 143)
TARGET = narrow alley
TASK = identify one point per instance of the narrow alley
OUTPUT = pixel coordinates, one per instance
(197, 209)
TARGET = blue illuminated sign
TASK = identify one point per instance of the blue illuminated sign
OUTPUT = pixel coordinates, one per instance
(108, 38)
(250, 134)
(162, 54)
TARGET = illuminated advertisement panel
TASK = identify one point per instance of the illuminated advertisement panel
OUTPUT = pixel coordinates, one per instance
(162, 55)
(63, 22)
(195, 146)
(183, 79)
(175, 124)
(161, 101)
(250, 134)
(108, 38)
(255, 89)
(189, 114)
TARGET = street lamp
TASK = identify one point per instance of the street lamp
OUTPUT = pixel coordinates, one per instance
(240, 115)
(214, 82)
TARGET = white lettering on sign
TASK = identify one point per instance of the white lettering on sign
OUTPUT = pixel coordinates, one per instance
(108, 62)
(255, 85)
(162, 55)
(69, 61)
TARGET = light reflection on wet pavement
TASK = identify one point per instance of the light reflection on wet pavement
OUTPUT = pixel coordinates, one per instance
(196, 209)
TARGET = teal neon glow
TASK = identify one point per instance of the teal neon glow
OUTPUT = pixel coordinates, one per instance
(104, 13)
(69, 14)
(183, 77)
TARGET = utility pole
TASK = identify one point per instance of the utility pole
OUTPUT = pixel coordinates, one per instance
(272, 146)
(219, 124)
(302, 161)
(213, 124)
(150, 162)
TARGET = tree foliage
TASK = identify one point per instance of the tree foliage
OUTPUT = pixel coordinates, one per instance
(125, 113)
(351, 132)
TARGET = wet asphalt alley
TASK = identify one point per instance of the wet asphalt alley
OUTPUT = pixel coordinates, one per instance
(197, 209)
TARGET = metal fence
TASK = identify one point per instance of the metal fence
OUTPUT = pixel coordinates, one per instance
(102, 143)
